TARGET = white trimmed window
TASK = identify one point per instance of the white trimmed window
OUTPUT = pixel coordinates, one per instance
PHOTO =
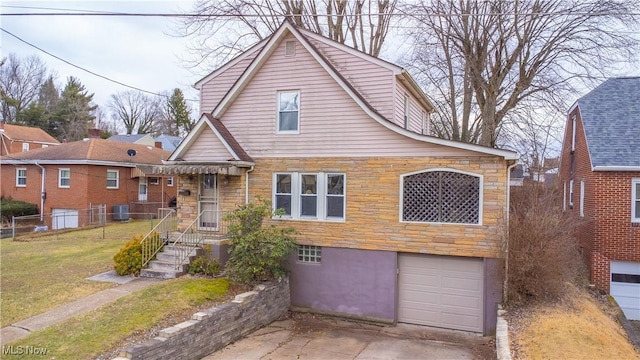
(289, 112)
(113, 179)
(45, 146)
(64, 178)
(170, 181)
(564, 195)
(635, 200)
(25, 147)
(581, 198)
(441, 196)
(310, 253)
(21, 177)
(573, 133)
(314, 196)
(571, 194)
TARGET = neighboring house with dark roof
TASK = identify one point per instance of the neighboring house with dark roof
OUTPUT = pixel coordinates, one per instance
(393, 225)
(71, 177)
(142, 139)
(600, 180)
(16, 139)
(169, 142)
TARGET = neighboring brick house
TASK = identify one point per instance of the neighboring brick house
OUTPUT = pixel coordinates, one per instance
(69, 178)
(394, 225)
(17, 139)
(600, 180)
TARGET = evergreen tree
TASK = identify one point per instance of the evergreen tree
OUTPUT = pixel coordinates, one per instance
(75, 111)
(178, 112)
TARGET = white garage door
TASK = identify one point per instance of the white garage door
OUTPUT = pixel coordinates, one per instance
(625, 287)
(442, 291)
(64, 218)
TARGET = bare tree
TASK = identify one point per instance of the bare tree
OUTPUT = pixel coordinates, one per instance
(20, 82)
(135, 110)
(481, 59)
(227, 27)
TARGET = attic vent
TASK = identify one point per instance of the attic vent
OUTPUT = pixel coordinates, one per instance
(290, 48)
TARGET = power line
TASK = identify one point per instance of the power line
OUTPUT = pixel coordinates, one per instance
(89, 71)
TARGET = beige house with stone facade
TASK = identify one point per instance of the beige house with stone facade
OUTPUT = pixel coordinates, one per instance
(395, 225)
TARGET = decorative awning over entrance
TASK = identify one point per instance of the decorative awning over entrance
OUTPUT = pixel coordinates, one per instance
(194, 169)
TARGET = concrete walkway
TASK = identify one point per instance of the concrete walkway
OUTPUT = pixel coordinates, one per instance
(127, 286)
(332, 338)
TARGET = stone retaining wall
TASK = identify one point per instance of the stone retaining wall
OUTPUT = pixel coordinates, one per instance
(214, 328)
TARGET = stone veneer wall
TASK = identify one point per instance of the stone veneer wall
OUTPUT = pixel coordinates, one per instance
(212, 329)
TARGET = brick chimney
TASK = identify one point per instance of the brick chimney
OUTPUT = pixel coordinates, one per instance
(159, 144)
(94, 133)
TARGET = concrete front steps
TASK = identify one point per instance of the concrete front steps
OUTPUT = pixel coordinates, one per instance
(163, 266)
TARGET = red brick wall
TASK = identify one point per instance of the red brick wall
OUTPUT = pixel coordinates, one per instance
(15, 146)
(605, 233)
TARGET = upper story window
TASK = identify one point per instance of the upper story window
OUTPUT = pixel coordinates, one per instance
(64, 178)
(571, 194)
(25, 147)
(113, 179)
(21, 177)
(573, 133)
(289, 112)
(170, 181)
(635, 200)
(442, 196)
(406, 111)
(317, 196)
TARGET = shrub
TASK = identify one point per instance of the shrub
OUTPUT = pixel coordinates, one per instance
(128, 260)
(257, 252)
(10, 208)
(202, 265)
(543, 254)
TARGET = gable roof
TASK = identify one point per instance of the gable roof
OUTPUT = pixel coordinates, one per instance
(288, 28)
(221, 132)
(91, 151)
(26, 133)
(130, 138)
(169, 142)
(610, 116)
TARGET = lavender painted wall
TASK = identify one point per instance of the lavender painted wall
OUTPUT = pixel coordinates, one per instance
(353, 282)
(492, 293)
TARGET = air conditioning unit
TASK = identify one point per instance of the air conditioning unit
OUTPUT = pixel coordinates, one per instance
(120, 212)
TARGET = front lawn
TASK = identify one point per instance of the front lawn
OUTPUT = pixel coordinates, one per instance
(102, 330)
(50, 271)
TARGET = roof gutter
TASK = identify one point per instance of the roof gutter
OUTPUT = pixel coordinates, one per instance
(505, 286)
(616, 168)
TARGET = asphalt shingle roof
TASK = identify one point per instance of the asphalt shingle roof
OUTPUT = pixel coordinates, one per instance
(611, 119)
(26, 133)
(95, 150)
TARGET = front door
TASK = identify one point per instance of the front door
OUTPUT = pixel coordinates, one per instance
(208, 202)
(142, 189)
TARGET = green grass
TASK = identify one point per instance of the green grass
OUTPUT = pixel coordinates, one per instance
(48, 271)
(99, 331)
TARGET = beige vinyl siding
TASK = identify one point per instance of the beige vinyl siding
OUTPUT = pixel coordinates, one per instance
(373, 81)
(331, 123)
(215, 89)
(207, 147)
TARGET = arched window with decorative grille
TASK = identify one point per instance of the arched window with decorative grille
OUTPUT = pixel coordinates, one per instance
(441, 196)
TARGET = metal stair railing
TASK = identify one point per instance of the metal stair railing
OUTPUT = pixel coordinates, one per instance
(191, 238)
(163, 229)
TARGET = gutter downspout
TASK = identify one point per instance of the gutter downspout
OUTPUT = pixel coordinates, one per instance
(506, 250)
(42, 189)
(246, 185)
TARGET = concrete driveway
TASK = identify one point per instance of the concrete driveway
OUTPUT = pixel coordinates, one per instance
(307, 336)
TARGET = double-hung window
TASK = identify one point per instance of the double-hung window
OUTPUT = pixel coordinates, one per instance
(316, 196)
(64, 178)
(25, 147)
(113, 178)
(21, 177)
(289, 112)
(635, 200)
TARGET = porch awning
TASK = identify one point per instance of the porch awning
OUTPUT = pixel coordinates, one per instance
(191, 169)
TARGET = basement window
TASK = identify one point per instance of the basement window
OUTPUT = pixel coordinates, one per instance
(309, 253)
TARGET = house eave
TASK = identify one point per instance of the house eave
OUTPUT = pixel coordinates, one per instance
(616, 168)
(197, 167)
(68, 162)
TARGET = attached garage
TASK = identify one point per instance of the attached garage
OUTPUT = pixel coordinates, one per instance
(441, 291)
(625, 287)
(64, 218)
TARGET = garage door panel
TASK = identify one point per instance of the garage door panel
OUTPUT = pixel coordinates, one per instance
(443, 291)
(624, 287)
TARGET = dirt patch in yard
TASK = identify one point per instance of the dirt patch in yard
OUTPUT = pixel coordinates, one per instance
(582, 325)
